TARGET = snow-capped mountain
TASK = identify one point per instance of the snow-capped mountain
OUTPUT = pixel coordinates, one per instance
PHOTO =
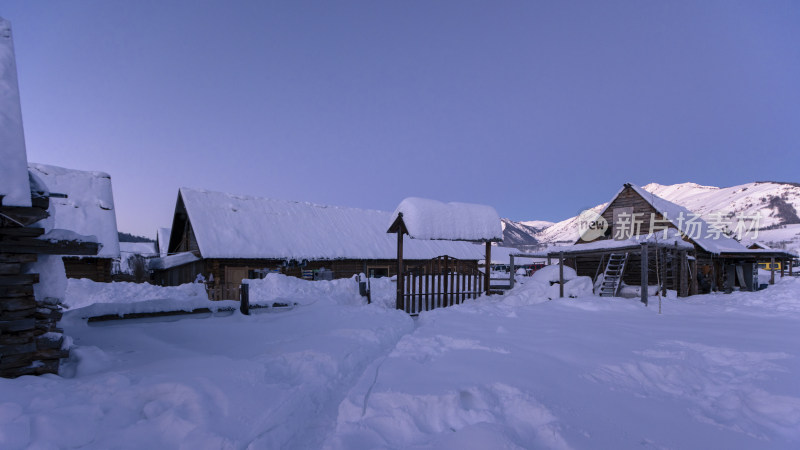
(777, 203)
(522, 235)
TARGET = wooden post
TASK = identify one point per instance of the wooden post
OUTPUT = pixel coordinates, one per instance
(244, 299)
(694, 288)
(645, 270)
(684, 283)
(549, 260)
(561, 274)
(399, 303)
(783, 266)
(488, 274)
(791, 266)
(772, 270)
(511, 272)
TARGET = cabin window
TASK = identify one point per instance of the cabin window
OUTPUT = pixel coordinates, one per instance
(378, 271)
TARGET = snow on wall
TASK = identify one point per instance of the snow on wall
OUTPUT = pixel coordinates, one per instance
(14, 185)
(88, 209)
(432, 219)
(239, 226)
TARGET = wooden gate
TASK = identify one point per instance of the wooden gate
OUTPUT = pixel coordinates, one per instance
(440, 282)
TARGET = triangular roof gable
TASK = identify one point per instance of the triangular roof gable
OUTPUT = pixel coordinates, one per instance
(671, 212)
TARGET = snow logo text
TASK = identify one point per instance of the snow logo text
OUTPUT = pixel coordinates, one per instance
(629, 224)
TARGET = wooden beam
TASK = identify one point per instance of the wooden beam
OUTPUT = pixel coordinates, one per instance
(561, 275)
(683, 273)
(772, 270)
(399, 303)
(645, 270)
(783, 266)
(42, 246)
(511, 271)
(488, 273)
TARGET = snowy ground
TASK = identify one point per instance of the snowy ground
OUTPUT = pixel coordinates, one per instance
(517, 371)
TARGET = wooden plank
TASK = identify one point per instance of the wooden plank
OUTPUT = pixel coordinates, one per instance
(17, 280)
(772, 270)
(21, 232)
(427, 293)
(25, 215)
(10, 268)
(400, 302)
(683, 275)
(18, 258)
(561, 274)
(40, 246)
(488, 274)
(645, 270)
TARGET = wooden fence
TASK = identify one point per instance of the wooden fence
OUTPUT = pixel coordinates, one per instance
(223, 291)
(439, 283)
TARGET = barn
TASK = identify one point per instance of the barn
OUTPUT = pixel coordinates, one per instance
(225, 238)
(83, 202)
(641, 239)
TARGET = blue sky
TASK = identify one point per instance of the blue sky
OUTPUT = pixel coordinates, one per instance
(539, 109)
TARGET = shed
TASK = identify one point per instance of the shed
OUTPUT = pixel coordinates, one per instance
(421, 218)
(83, 202)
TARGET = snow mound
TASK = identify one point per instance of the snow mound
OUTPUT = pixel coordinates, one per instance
(84, 292)
(280, 288)
(550, 274)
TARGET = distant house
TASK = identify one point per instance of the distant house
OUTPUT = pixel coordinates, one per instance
(686, 253)
(82, 202)
(226, 238)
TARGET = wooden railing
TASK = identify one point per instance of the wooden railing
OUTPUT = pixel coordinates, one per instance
(439, 283)
(223, 291)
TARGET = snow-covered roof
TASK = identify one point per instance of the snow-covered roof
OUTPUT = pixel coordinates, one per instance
(431, 219)
(14, 186)
(698, 230)
(162, 239)
(672, 239)
(165, 262)
(89, 207)
(240, 226)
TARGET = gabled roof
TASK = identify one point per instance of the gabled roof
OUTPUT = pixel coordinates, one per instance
(240, 226)
(87, 210)
(709, 240)
(431, 219)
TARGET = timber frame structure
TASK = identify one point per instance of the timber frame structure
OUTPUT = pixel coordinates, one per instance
(415, 298)
(30, 341)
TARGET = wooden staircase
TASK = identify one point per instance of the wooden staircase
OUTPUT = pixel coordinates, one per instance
(612, 276)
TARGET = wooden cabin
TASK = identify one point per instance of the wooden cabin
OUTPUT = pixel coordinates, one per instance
(83, 202)
(223, 238)
(662, 243)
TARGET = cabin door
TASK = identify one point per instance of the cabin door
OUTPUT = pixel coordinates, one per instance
(235, 275)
